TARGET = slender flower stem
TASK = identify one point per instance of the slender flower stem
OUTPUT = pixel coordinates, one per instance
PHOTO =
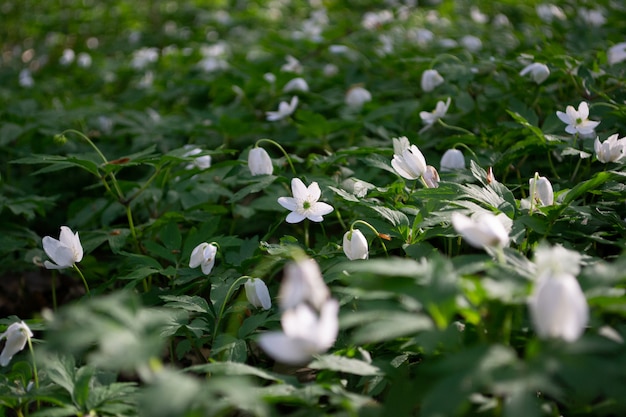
(373, 229)
(293, 169)
(457, 128)
(306, 233)
(35, 373)
(82, 277)
(228, 294)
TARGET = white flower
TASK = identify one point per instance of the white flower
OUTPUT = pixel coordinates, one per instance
(592, 17)
(374, 20)
(144, 56)
(547, 12)
(64, 252)
(481, 230)
(451, 160)
(201, 162)
(431, 177)
(538, 72)
(84, 60)
(400, 144)
(203, 255)
(478, 16)
(304, 204)
(296, 84)
(292, 65)
(577, 120)
(541, 190)
(304, 334)
(410, 163)
(17, 334)
(611, 150)
(356, 97)
(330, 70)
(430, 118)
(257, 293)
(259, 162)
(284, 110)
(471, 43)
(302, 283)
(558, 307)
(355, 245)
(616, 53)
(67, 57)
(269, 77)
(26, 79)
(430, 80)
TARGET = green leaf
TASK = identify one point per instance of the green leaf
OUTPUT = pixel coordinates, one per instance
(255, 187)
(188, 303)
(235, 368)
(343, 364)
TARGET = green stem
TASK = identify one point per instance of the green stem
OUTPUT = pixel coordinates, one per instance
(293, 169)
(82, 277)
(35, 373)
(228, 294)
(306, 233)
(373, 229)
(456, 128)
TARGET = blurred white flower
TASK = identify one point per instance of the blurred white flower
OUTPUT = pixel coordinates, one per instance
(409, 163)
(203, 255)
(305, 333)
(431, 177)
(284, 110)
(304, 204)
(330, 70)
(430, 80)
(547, 12)
(259, 162)
(257, 293)
(83, 60)
(16, 335)
(430, 118)
(611, 150)
(292, 65)
(201, 162)
(374, 20)
(541, 192)
(591, 17)
(144, 56)
(501, 20)
(452, 160)
(538, 72)
(357, 96)
(269, 77)
(67, 57)
(302, 283)
(616, 53)
(420, 36)
(558, 307)
(471, 43)
(577, 121)
(355, 245)
(481, 230)
(478, 16)
(296, 84)
(26, 79)
(64, 252)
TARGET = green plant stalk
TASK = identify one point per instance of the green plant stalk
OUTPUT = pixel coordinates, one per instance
(373, 229)
(82, 277)
(293, 169)
(456, 128)
(35, 373)
(223, 306)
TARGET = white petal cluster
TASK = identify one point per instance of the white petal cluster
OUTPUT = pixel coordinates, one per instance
(284, 110)
(203, 256)
(16, 335)
(357, 96)
(611, 150)
(257, 293)
(541, 192)
(64, 252)
(430, 118)
(482, 230)
(310, 317)
(298, 84)
(430, 80)
(558, 307)
(577, 121)
(259, 162)
(304, 204)
(452, 160)
(355, 245)
(616, 53)
(538, 72)
(407, 160)
(201, 162)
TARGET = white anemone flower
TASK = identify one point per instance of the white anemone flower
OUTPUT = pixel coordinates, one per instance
(430, 118)
(611, 150)
(257, 293)
(203, 255)
(296, 84)
(304, 204)
(616, 53)
(481, 230)
(538, 72)
(302, 283)
(64, 252)
(452, 160)
(355, 245)
(541, 191)
(409, 163)
(357, 96)
(304, 334)
(17, 334)
(201, 162)
(430, 80)
(284, 110)
(431, 177)
(577, 121)
(259, 162)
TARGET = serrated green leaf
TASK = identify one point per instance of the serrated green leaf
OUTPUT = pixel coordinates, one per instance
(343, 364)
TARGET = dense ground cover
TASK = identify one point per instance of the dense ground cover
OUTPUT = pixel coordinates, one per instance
(270, 219)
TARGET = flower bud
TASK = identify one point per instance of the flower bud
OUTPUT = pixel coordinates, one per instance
(17, 334)
(355, 245)
(431, 79)
(538, 72)
(356, 97)
(257, 293)
(452, 160)
(541, 190)
(259, 162)
(203, 255)
(431, 177)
